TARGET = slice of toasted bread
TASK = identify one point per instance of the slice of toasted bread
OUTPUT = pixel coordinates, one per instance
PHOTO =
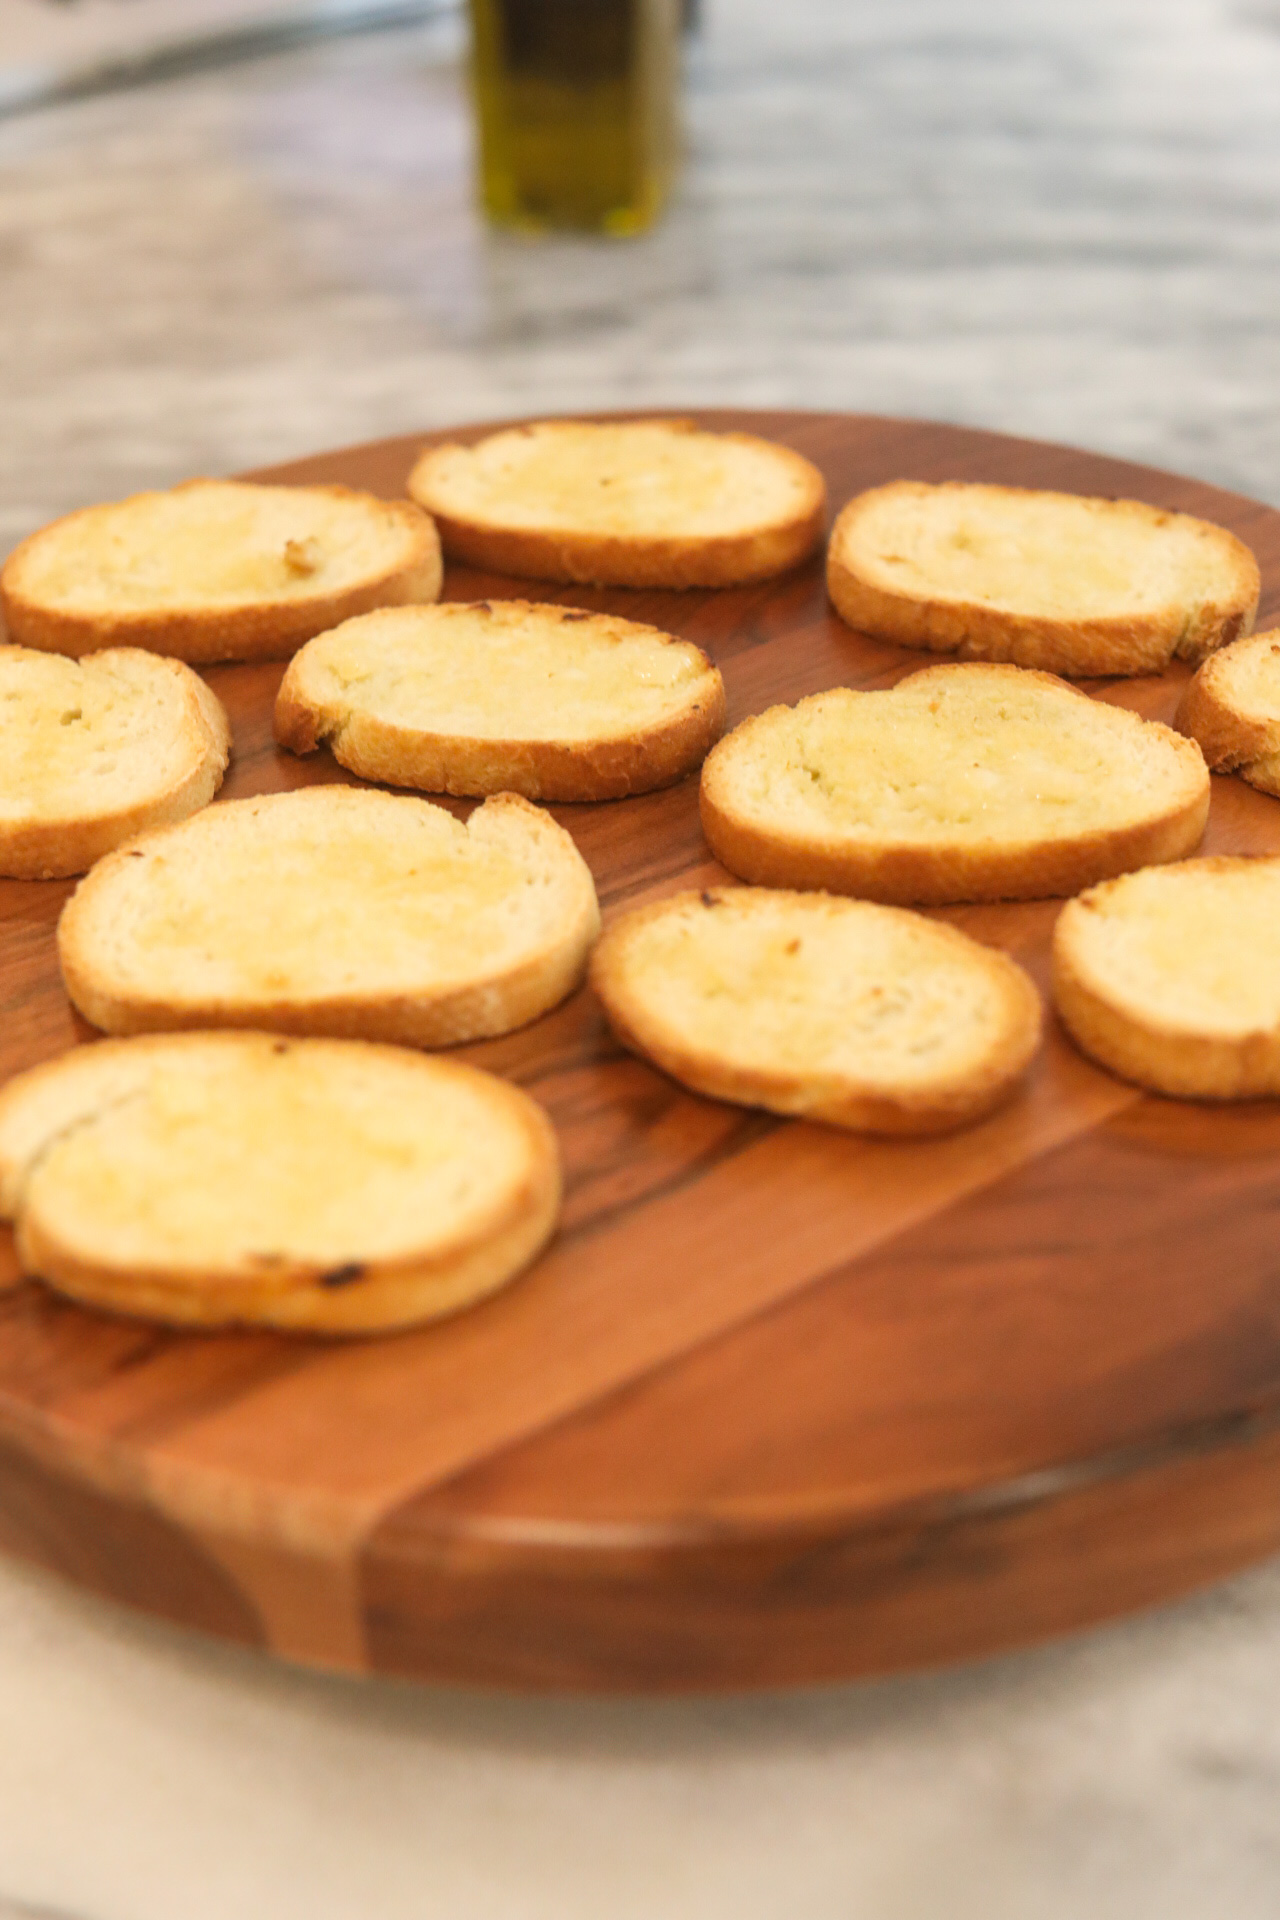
(321, 1185)
(1169, 977)
(867, 1017)
(1232, 709)
(640, 503)
(93, 751)
(216, 570)
(503, 696)
(334, 910)
(1051, 580)
(960, 783)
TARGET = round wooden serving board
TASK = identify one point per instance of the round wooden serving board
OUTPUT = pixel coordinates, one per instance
(779, 1404)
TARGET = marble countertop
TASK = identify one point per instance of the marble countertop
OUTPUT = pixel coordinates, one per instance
(1061, 224)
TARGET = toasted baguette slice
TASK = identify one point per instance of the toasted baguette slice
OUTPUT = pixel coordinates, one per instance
(1051, 580)
(960, 783)
(1169, 977)
(504, 697)
(320, 1185)
(335, 910)
(864, 1016)
(216, 570)
(1232, 708)
(643, 503)
(95, 750)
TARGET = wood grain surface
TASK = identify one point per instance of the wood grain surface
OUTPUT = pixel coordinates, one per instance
(779, 1405)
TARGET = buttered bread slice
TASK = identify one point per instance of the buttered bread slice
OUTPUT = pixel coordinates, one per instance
(1169, 977)
(216, 570)
(863, 1016)
(1231, 708)
(960, 783)
(504, 696)
(638, 503)
(324, 1186)
(1052, 580)
(334, 910)
(93, 751)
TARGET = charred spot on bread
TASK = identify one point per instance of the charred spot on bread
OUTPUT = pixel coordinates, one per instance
(343, 1276)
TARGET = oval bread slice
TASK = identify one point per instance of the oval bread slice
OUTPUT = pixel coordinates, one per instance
(334, 910)
(94, 751)
(837, 1010)
(216, 570)
(1231, 708)
(1170, 977)
(960, 783)
(504, 696)
(1051, 580)
(640, 503)
(325, 1186)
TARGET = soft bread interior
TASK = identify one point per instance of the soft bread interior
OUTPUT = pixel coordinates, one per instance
(963, 754)
(1048, 555)
(646, 479)
(329, 892)
(81, 738)
(802, 985)
(505, 670)
(45, 1103)
(1191, 947)
(217, 544)
(250, 1158)
(1246, 676)
(1264, 772)
(335, 1187)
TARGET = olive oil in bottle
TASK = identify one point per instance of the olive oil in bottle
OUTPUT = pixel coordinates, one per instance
(576, 104)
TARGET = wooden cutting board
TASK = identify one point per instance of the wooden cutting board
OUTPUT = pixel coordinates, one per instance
(779, 1404)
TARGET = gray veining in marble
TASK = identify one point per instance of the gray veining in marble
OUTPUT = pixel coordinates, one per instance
(1131, 1774)
(58, 50)
(1060, 222)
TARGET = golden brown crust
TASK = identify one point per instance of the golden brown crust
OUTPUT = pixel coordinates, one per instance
(57, 844)
(638, 1017)
(546, 770)
(1143, 1046)
(372, 1295)
(440, 1018)
(1078, 648)
(942, 872)
(596, 560)
(296, 723)
(590, 558)
(205, 634)
(1231, 738)
(927, 876)
(378, 749)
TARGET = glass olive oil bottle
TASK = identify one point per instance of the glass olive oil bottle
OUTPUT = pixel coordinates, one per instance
(576, 103)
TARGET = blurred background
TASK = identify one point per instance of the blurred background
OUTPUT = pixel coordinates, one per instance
(1056, 221)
